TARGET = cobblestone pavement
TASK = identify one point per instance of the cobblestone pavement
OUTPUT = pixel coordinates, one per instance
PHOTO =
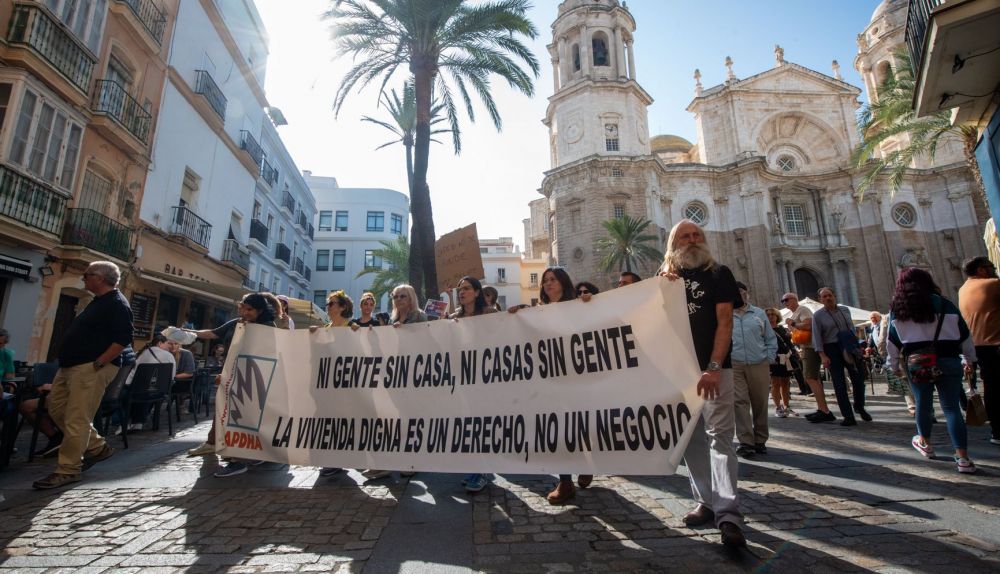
(824, 499)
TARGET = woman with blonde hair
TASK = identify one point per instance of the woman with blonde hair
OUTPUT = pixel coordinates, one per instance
(405, 307)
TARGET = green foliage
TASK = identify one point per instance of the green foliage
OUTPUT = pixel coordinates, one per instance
(395, 263)
(627, 245)
(892, 115)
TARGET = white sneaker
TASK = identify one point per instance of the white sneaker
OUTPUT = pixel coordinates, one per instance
(995, 441)
(780, 412)
(203, 450)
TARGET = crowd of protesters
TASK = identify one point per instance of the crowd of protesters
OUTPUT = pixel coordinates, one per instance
(748, 354)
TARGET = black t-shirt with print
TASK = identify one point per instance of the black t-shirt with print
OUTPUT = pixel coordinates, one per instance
(373, 322)
(704, 289)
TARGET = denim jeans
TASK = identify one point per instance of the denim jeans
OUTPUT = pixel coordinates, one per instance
(710, 457)
(949, 387)
(836, 370)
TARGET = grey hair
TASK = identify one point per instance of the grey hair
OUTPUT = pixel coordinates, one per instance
(107, 270)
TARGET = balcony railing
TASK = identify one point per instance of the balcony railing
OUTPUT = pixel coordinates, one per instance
(282, 253)
(187, 224)
(206, 86)
(288, 202)
(249, 284)
(97, 231)
(308, 274)
(250, 145)
(235, 253)
(112, 98)
(152, 19)
(261, 287)
(301, 220)
(268, 173)
(917, 17)
(298, 265)
(258, 231)
(30, 202)
(32, 26)
(311, 230)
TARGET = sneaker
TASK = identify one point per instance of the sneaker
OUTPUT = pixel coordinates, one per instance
(232, 468)
(476, 483)
(923, 448)
(746, 451)
(995, 441)
(330, 471)
(55, 480)
(790, 413)
(760, 449)
(562, 493)
(864, 414)
(374, 474)
(780, 412)
(821, 417)
(204, 449)
(105, 453)
(965, 465)
(52, 446)
(135, 427)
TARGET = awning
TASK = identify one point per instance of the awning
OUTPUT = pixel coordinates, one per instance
(221, 293)
(14, 267)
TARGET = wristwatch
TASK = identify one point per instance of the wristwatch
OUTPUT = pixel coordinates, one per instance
(714, 366)
(98, 364)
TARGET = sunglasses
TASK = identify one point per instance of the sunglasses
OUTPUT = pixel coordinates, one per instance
(583, 292)
(785, 300)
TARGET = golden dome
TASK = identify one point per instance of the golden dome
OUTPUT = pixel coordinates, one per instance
(669, 143)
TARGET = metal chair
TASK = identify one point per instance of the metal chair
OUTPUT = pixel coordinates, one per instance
(112, 403)
(151, 385)
(41, 374)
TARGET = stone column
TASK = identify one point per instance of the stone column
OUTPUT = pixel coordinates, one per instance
(620, 53)
(852, 283)
(564, 69)
(631, 60)
(782, 277)
(790, 277)
(585, 49)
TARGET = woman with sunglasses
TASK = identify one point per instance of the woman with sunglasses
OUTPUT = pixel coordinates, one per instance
(472, 303)
(340, 310)
(557, 287)
(405, 308)
(585, 290)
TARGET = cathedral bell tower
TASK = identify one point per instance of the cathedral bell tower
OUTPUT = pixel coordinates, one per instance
(597, 106)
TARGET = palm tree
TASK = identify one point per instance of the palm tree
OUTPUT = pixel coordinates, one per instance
(626, 247)
(395, 265)
(432, 39)
(893, 115)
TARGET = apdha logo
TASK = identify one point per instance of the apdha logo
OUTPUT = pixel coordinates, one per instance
(248, 393)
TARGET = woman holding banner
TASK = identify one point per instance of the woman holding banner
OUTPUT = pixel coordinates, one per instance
(339, 309)
(368, 318)
(558, 287)
(472, 303)
(405, 309)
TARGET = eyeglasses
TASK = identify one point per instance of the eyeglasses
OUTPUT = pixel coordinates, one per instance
(583, 292)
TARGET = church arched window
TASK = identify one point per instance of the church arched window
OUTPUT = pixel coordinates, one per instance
(600, 45)
(883, 72)
(696, 212)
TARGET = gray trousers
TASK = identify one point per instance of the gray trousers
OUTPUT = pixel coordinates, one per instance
(710, 457)
(752, 388)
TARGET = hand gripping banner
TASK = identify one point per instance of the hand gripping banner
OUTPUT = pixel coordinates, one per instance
(602, 387)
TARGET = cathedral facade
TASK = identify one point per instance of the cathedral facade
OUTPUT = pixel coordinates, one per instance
(769, 177)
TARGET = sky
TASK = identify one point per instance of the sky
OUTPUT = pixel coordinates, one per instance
(497, 174)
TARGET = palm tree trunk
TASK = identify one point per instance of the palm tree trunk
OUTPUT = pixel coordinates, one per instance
(422, 246)
(980, 204)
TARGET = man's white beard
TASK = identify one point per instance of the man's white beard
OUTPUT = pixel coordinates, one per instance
(692, 256)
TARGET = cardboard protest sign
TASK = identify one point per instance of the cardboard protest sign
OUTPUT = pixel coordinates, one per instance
(457, 255)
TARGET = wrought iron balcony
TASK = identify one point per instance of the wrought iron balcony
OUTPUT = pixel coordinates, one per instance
(152, 19)
(97, 231)
(283, 253)
(917, 17)
(235, 253)
(261, 287)
(206, 86)
(187, 224)
(112, 98)
(32, 203)
(249, 284)
(311, 230)
(301, 220)
(269, 173)
(288, 202)
(258, 231)
(250, 145)
(298, 265)
(308, 274)
(33, 27)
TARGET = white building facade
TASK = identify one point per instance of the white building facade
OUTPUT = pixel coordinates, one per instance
(350, 224)
(515, 275)
(219, 169)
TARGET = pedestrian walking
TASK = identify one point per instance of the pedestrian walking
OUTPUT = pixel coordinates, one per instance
(837, 345)
(710, 289)
(927, 334)
(92, 346)
(781, 367)
(979, 300)
(800, 324)
(754, 347)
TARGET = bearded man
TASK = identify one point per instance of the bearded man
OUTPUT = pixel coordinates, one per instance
(712, 465)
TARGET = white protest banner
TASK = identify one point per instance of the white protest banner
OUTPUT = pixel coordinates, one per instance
(607, 387)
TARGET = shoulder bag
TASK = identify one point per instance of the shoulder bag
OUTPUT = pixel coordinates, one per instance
(921, 364)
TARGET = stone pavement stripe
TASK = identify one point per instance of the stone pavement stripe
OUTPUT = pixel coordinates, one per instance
(46, 561)
(142, 541)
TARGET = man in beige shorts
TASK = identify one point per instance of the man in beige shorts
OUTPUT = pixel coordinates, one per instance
(801, 319)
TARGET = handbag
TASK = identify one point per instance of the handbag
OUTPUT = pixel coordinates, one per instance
(801, 336)
(921, 364)
(975, 414)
